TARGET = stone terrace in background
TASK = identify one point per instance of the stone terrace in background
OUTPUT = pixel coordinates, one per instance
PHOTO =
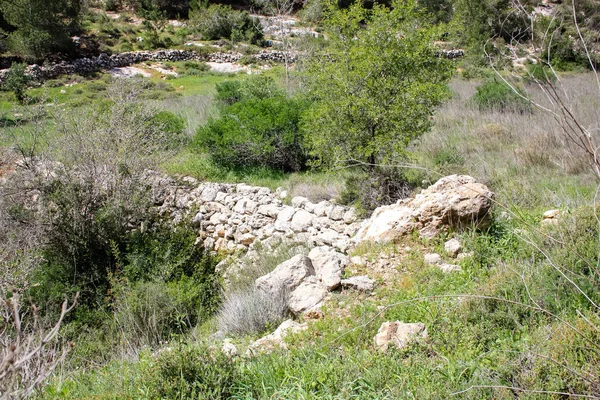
(85, 66)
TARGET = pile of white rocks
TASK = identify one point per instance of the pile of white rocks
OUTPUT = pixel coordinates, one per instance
(231, 217)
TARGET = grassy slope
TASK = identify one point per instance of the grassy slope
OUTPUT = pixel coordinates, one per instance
(533, 335)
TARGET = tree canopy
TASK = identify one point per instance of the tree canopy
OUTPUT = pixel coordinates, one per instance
(36, 28)
(375, 86)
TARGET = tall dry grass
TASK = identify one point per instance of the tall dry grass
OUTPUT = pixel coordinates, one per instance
(525, 156)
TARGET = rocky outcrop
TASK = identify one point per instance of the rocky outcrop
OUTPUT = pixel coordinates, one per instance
(398, 334)
(329, 266)
(307, 280)
(286, 276)
(456, 201)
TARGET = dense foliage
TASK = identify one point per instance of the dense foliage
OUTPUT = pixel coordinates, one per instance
(217, 21)
(37, 28)
(373, 92)
(258, 126)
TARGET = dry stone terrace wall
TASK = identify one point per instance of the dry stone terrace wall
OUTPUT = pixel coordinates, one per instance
(231, 217)
(85, 66)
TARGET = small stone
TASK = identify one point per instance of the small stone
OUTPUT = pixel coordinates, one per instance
(360, 283)
(358, 261)
(299, 201)
(247, 239)
(432, 259)
(301, 221)
(447, 268)
(550, 214)
(197, 220)
(284, 217)
(350, 216)
(452, 247)
(398, 334)
(337, 213)
(229, 348)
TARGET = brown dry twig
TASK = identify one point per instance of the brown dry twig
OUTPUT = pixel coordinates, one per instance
(29, 353)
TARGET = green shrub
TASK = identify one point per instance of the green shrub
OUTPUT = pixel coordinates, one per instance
(16, 81)
(172, 125)
(148, 313)
(97, 86)
(541, 73)
(194, 372)
(257, 132)
(228, 92)
(165, 253)
(378, 187)
(495, 95)
(220, 21)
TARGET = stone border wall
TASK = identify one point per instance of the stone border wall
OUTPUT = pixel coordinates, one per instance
(85, 66)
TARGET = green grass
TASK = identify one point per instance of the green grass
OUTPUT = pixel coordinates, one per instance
(471, 341)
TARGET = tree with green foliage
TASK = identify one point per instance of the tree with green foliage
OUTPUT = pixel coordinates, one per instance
(37, 28)
(16, 81)
(482, 21)
(375, 86)
(217, 21)
(440, 11)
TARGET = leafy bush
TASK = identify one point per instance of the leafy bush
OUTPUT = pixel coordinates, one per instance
(172, 125)
(149, 313)
(261, 132)
(251, 311)
(192, 68)
(228, 92)
(16, 81)
(193, 372)
(541, 73)
(222, 22)
(367, 191)
(493, 95)
(167, 254)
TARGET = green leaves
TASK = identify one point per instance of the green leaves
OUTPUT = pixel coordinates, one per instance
(375, 86)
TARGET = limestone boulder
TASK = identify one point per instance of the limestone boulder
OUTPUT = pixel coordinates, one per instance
(453, 247)
(456, 201)
(284, 218)
(275, 340)
(301, 221)
(329, 265)
(398, 334)
(287, 275)
(310, 293)
(360, 283)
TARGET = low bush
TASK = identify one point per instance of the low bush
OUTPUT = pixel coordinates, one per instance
(251, 311)
(368, 190)
(495, 95)
(150, 313)
(193, 372)
(222, 22)
(262, 132)
(16, 81)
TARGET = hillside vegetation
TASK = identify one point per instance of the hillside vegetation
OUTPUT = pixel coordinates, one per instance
(150, 211)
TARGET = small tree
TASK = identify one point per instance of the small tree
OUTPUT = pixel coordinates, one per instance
(16, 81)
(40, 27)
(375, 86)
